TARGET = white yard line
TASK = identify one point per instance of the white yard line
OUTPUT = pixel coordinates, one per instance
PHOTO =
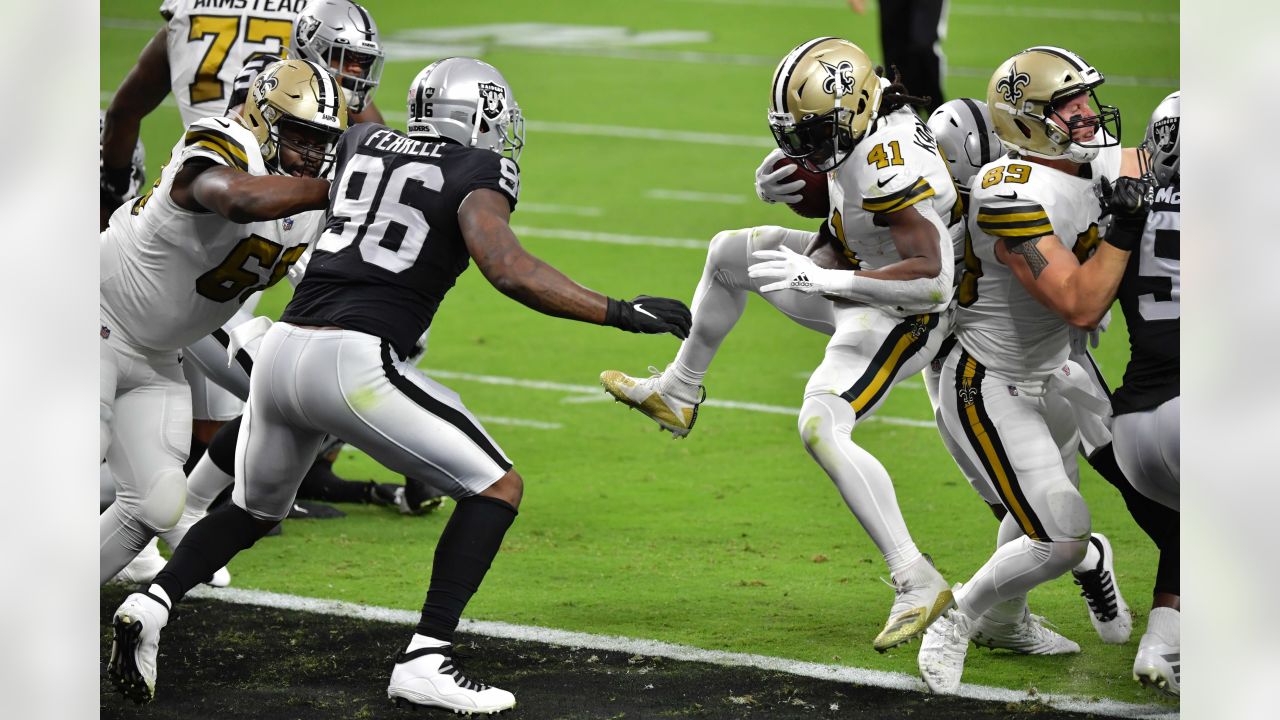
(698, 197)
(588, 393)
(553, 209)
(655, 648)
(609, 238)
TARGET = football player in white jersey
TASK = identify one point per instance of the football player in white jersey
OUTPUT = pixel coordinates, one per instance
(227, 217)
(895, 218)
(1035, 215)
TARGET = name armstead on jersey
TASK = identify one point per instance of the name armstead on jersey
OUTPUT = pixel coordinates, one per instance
(253, 5)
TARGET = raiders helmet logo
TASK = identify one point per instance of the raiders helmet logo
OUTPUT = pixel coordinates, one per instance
(495, 99)
(841, 75)
(307, 27)
(1166, 134)
(1011, 85)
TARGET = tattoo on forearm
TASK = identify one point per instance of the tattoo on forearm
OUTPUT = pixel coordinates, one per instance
(1035, 260)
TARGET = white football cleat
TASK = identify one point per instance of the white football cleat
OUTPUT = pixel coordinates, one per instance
(144, 566)
(674, 414)
(427, 675)
(1028, 636)
(1108, 611)
(943, 650)
(1159, 660)
(920, 596)
(1158, 665)
(135, 642)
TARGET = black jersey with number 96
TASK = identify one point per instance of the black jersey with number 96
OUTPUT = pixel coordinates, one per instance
(392, 247)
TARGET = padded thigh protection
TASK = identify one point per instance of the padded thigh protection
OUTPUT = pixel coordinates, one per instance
(1147, 447)
(1022, 439)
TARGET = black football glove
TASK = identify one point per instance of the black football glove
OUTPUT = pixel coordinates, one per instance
(113, 185)
(1129, 202)
(647, 314)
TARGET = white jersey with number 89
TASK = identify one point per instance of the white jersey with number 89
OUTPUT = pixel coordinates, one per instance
(997, 320)
(170, 276)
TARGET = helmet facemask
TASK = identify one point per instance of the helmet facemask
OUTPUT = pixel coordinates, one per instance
(358, 72)
(316, 158)
(1105, 124)
(504, 129)
(818, 144)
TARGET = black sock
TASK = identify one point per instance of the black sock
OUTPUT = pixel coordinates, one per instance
(321, 484)
(1157, 521)
(222, 447)
(209, 545)
(197, 451)
(466, 550)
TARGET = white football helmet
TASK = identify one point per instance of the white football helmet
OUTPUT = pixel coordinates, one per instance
(341, 35)
(467, 101)
(1161, 149)
(964, 131)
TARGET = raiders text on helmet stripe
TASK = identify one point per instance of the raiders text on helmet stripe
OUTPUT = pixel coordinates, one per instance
(788, 66)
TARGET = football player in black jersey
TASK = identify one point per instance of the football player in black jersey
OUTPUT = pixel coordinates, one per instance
(407, 214)
(1147, 405)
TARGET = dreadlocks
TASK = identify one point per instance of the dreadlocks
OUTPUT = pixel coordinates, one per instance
(897, 96)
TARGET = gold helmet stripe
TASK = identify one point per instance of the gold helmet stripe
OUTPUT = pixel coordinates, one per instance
(782, 76)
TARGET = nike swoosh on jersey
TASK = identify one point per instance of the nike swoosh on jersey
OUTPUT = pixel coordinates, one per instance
(886, 181)
(1010, 196)
(640, 309)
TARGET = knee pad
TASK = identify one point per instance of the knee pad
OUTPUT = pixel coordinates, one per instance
(823, 419)
(1068, 515)
(162, 506)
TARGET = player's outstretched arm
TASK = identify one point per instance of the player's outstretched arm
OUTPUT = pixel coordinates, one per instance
(242, 198)
(1081, 292)
(484, 219)
(142, 91)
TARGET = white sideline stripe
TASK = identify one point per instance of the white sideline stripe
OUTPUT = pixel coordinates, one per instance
(655, 648)
(689, 196)
(609, 238)
(597, 391)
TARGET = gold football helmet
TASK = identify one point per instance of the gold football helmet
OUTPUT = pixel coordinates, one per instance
(303, 96)
(1024, 94)
(825, 94)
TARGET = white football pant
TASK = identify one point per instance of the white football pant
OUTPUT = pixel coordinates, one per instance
(1148, 451)
(145, 433)
(312, 382)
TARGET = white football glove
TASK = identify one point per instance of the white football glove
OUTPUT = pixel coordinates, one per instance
(792, 271)
(771, 185)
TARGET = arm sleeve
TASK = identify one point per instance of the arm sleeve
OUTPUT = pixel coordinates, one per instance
(1024, 221)
(209, 138)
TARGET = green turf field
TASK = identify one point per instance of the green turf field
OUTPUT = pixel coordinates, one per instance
(732, 539)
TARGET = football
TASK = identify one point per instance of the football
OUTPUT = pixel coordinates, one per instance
(814, 201)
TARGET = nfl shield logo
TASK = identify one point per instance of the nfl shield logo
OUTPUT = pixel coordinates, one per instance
(288, 224)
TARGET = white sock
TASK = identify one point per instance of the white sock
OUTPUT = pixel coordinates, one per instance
(424, 641)
(1091, 558)
(160, 593)
(1165, 623)
(1015, 608)
(680, 381)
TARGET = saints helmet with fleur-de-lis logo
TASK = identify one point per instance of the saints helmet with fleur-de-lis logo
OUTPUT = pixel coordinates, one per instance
(300, 92)
(1025, 93)
(825, 94)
